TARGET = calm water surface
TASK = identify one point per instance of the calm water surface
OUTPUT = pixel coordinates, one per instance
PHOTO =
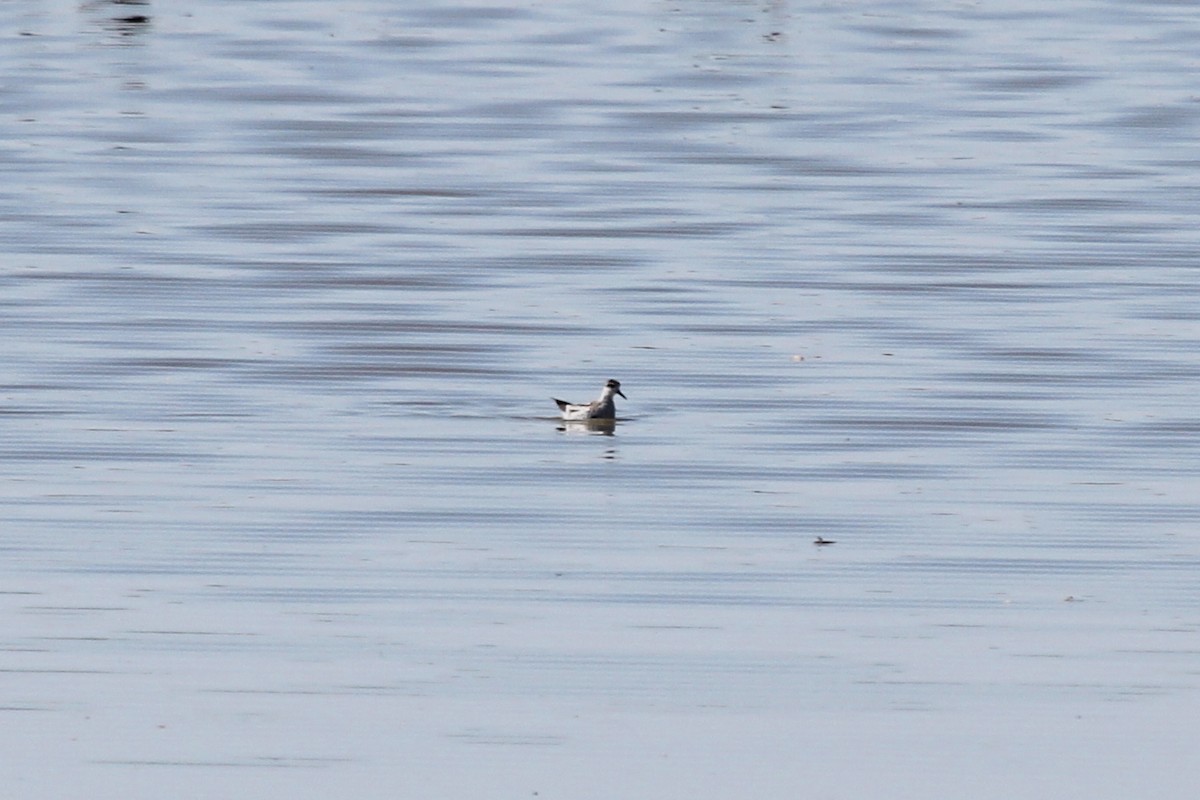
(286, 287)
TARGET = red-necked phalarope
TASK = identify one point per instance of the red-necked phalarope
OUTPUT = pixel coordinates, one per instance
(604, 408)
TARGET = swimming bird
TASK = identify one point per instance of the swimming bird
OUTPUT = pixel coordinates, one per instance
(604, 408)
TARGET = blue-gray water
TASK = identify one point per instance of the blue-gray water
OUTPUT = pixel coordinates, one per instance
(286, 287)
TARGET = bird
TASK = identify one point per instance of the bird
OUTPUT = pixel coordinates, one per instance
(603, 408)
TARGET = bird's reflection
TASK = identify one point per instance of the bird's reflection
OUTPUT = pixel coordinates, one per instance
(601, 427)
(124, 18)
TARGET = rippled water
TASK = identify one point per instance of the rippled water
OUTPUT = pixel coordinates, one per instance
(286, 288)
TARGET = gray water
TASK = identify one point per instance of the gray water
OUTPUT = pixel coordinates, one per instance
(286, 288)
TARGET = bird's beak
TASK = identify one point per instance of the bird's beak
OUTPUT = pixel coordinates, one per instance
(622, 394)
